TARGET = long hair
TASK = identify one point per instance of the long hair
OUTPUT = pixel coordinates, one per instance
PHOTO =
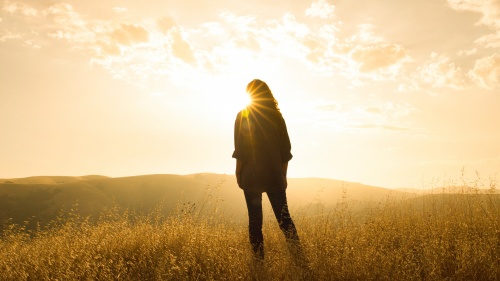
(262, 98)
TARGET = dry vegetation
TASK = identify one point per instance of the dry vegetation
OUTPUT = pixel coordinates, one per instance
(441, 237)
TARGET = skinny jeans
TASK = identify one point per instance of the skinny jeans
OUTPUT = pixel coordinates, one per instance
(255, 217)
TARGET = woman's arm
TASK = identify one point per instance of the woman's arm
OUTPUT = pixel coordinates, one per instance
(284, 168)
(239, 168)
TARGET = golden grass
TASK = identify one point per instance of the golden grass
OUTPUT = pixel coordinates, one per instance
(452, 237)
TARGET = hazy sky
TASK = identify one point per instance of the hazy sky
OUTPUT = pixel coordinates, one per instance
(394, 93)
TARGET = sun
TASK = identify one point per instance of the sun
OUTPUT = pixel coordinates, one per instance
(235, 96)
(243, 100)
(220, 97)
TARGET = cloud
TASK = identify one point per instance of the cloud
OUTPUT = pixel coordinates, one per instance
(373, 110)
(180, 47)
(324, 46)
(383, 127)
(248, 41)
(316, 48)
(377, 115)
(328, 107)
(467, 52)
(128, 34)
(214, 28)
(490, 40)
(69, 25)
(9, 36)
(373, 57)
(165, 23)
(366, 35)
(14, 7)
(31, 44)
(244, 32)
(120, 10)
(239, 23)
(438, 71)
(321, 9)
(221, 44)
(364, 55)
(394, 128)
(284, 35)
(393, 110)
(486, 72)
(64, 14)
(131, 50)
(490, 10)
(107, 49)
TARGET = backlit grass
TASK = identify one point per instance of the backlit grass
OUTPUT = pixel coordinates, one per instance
(440, 237)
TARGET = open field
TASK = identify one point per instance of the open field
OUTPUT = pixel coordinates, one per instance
(433, 237)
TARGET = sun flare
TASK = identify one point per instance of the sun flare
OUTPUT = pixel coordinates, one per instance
(243, 101)
(235, 96)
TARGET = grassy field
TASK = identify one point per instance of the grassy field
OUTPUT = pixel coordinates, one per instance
(434, 237)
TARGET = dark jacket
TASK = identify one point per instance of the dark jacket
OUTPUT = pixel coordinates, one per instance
(261, 141)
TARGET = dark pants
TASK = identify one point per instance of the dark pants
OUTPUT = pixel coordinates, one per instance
(280, 208)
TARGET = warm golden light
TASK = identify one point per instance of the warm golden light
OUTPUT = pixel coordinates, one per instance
(164, 76)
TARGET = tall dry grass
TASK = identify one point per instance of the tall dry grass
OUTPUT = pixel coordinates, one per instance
(441, 237)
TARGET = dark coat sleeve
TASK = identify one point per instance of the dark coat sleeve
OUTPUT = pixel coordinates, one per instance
(285, 145)
(239, 152)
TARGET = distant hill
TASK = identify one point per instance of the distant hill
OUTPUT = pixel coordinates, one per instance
(42, 198)
(50, 179)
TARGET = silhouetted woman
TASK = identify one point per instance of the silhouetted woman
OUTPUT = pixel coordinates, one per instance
(262, 152)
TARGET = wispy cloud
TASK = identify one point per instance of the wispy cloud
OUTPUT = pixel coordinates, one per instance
(128, 34)
(327, 107)
(338, 116)
(439, 71)
(486, 72)
(363, 55)
(467, 52)
(490, 40)
(180, 47)
(378, 56)
(69, 25)
(7, 35)
(13, 7)
(165, 23)
(383, 127)
(375, 57)
(373, 110)
(489, 9)
(31, 44)
(64, 14)
(120, 10)
(486, 69)
(313, 38)
(321, 9)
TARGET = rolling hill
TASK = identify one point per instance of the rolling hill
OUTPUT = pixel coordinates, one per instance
(41, 199)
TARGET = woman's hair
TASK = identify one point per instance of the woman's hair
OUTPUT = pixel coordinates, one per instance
(261, 96)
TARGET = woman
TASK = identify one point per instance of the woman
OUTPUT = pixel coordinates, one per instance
(262, 152)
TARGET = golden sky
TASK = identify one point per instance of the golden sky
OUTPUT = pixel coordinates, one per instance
(394, 93)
